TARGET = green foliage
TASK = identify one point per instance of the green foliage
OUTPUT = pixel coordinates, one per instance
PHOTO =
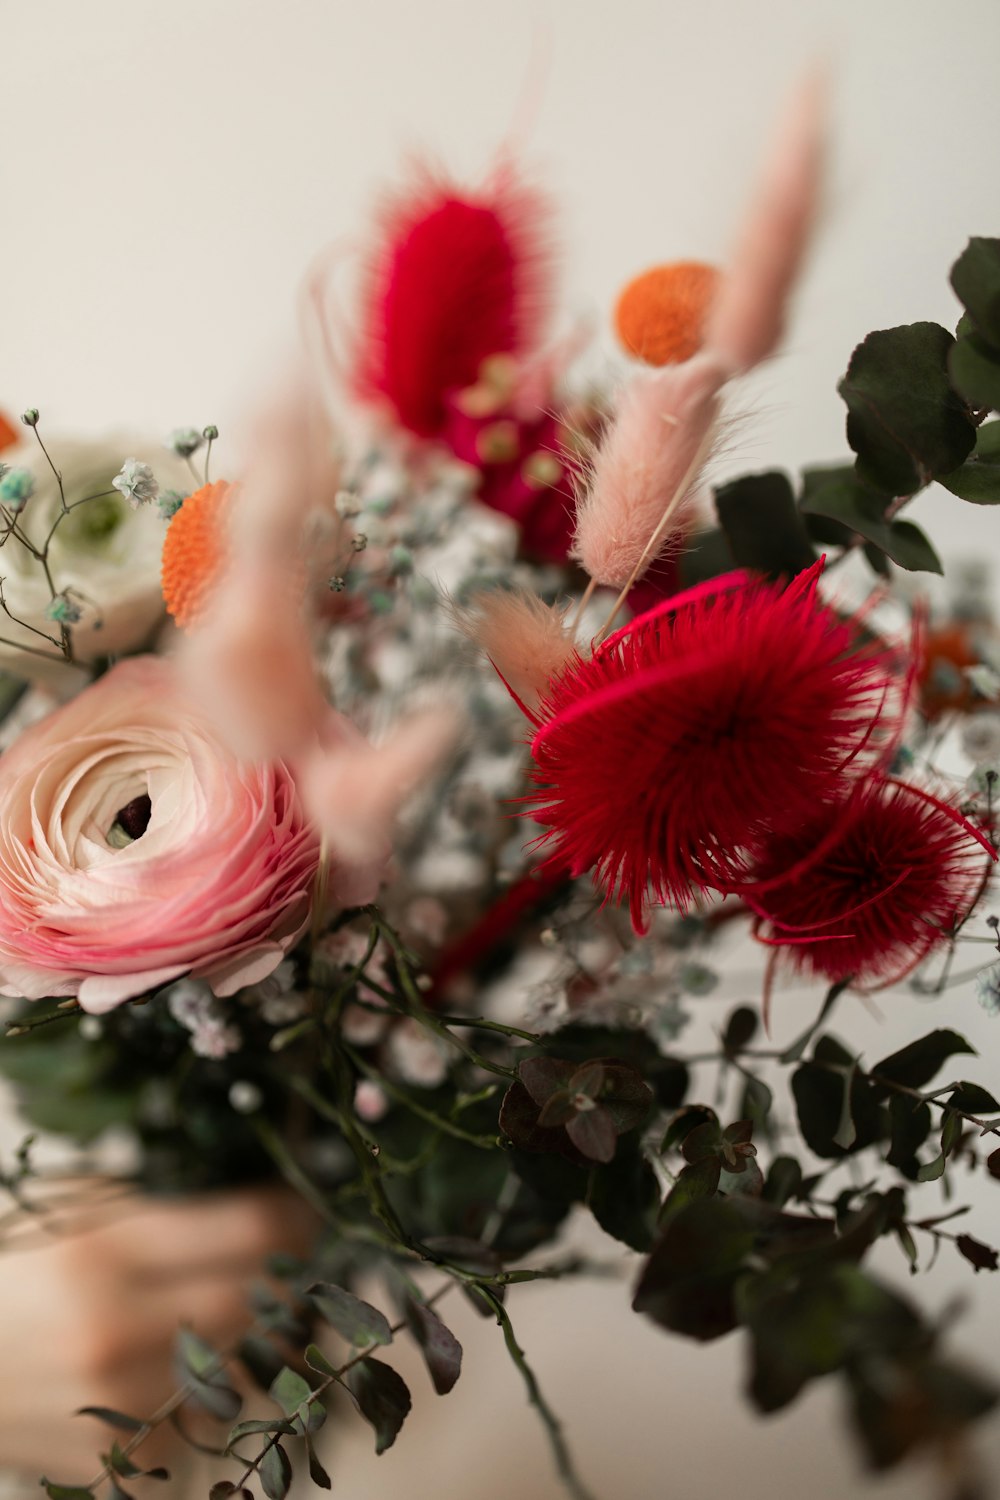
(354, 1320)
(576, 1110)
(383, 1399)
(762, 524)
(905, 423)
(840, 496)
(978, 479)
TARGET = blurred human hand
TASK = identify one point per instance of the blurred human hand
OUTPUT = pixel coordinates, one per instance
(89, 1317)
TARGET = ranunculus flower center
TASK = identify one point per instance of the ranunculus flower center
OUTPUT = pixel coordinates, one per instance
(131, 821)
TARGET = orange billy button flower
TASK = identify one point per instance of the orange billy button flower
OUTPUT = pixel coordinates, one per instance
(9, 434)
(193, 552)
(660, 315)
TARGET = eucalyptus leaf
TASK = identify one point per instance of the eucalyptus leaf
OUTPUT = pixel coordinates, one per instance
(862, 510)
(975, 277)
(974, 368)
(904, 421)
(275, 1473)
(354, 1320)
(382, 1397)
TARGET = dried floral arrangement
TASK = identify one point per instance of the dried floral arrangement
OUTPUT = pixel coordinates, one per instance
(395, 867)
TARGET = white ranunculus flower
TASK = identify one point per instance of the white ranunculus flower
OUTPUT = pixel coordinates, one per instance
(106, 554)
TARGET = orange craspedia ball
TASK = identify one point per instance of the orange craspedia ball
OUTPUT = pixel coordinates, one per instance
(660, 315)
(193, 551)
(9, 434)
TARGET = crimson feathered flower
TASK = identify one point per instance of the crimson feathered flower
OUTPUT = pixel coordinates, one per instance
(457, 277)
(892, 871)
(705, 728)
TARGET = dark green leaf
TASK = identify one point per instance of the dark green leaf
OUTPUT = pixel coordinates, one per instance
(909, 1124)
(588, 1078)
(699, 1179)
(932, 1170)
(291, 1393)
(981, 1256)
(66, 1491)
(624, 1094)
(978, 479)
(199, 1365)
(113, 1418)
(846, 1133)
(593, 1133)
(121, 1463)
(819, 1090)
(975, 277)
(441, 1350)
(275, 1473)
(688, 1281)
(706, 555)
(519, 1123)
(740, 1029)
(684, 1121)
(762, 524)
(317, 1473)
(862, 510)
(784, 1179)
(973, 1100)
(624, 1197)
(974, 367)
(317, 1360)
(756, 1100)
(920, 1061)
(382, 1397)
(993, 1163)
(255, 1426)
(904, 421)
(354, 1320)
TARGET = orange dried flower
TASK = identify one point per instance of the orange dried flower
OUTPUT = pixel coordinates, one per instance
(193, 552)
(9, 434)
(660, 315)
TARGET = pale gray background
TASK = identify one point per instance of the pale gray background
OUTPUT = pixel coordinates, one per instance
(167, 171)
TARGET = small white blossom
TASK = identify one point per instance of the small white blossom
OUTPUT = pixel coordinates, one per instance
(416, 1056)
(245, 1097)
(981, 739)
(370, 1102)
(190, 1003)
(137, 482)
(988, 989)
(361, 1027)
(16, 488)
(214, 1038)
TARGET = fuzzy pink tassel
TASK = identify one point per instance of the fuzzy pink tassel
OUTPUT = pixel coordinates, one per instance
(747, 319)
(647, 469)
(354, 791)
(251, 658)
(527, 641)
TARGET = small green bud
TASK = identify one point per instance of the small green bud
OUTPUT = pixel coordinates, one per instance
(184, 441)
(16, 488)
(63, 610)
(30, 417)
(336, 584)
(210, 433)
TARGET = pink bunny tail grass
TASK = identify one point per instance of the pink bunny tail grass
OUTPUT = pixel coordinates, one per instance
(528, 642)
(747, 320)
(354, 792)
(646, 471)
(250, 658)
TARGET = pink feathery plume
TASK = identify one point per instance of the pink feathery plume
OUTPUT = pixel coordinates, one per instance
(646, 470)
(747, 319)
(251, 657)
(354, 791)
(528, 641)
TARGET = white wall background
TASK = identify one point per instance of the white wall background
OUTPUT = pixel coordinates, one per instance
(167, 170)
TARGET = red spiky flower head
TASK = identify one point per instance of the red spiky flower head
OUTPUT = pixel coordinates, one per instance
(707, 726)
(456, 277)
(886, 877)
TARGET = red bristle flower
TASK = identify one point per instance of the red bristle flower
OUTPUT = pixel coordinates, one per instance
(457, 277)
(897, 868)
(707, 726)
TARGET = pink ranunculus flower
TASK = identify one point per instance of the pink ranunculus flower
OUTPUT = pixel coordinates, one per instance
(98, 902)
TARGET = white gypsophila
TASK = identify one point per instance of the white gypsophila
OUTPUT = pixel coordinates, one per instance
(988, 989)
(103, 555)
(415, 1056)
(137, 482)
(981, 739)
(215, 1038)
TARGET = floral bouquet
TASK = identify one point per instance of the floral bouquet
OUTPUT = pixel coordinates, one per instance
(488, 726)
